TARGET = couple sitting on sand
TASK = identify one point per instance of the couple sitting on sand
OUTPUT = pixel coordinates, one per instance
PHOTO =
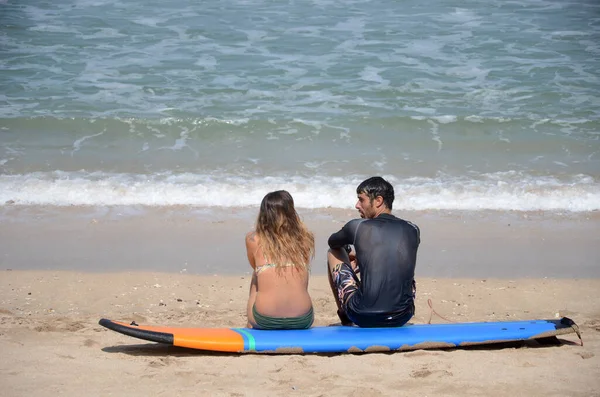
(371, 263)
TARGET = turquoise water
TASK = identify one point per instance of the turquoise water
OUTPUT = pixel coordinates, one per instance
(461, 104)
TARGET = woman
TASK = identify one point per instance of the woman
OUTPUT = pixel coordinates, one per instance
(279, 251)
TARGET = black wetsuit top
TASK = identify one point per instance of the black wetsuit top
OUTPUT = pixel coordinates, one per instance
(386, 251)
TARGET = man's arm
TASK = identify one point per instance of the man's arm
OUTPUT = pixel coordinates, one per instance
(345, 236)
(337, 240)
(418, 232)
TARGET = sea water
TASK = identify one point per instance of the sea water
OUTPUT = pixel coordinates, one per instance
(462, 105)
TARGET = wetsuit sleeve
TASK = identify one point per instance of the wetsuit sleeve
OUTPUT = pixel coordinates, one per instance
(418, 232)
(346, 235)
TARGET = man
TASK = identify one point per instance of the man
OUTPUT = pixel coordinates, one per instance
(385, 254)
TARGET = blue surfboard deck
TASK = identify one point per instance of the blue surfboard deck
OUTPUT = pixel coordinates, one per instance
(340, 339)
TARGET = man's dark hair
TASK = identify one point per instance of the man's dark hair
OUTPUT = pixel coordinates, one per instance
(377, 186)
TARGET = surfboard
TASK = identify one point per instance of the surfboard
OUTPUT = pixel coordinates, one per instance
(340, 339)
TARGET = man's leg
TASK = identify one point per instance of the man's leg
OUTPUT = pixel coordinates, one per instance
(335, 259)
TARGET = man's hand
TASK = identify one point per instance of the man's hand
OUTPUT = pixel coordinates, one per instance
(352, 257)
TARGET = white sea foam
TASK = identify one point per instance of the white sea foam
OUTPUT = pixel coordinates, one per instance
(459, 15)
(420, 110)
(446, 119)
(148, 21)
(371, 74)
(499, 191)
(208, 62)
(103, 33)
(77, 144)
(353, 25)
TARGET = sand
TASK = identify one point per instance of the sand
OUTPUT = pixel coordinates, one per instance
(453, 244)
(62, 271)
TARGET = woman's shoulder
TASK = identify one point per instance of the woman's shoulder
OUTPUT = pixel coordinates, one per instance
(252, 238)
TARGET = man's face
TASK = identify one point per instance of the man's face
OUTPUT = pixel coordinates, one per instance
(364, 205)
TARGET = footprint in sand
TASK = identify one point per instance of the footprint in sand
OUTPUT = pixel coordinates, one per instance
(421, 353)
(424, 373)
(161, 362)
(60, 325)
(90, 343)
(73, 326)
(592, 323)
(586, 355)
(45, 328)
(136, 318)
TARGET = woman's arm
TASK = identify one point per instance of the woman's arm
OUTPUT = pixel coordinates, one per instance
(251, 247)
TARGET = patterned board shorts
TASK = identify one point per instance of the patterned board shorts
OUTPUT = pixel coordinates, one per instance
(345, 281)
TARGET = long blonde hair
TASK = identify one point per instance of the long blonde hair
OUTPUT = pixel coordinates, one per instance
(283, 237)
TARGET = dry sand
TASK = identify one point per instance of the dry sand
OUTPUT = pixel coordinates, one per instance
(51, 342)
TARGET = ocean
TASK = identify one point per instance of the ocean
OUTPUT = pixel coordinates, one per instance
(463, 105)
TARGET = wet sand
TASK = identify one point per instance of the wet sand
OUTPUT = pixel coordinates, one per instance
(454, 244)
